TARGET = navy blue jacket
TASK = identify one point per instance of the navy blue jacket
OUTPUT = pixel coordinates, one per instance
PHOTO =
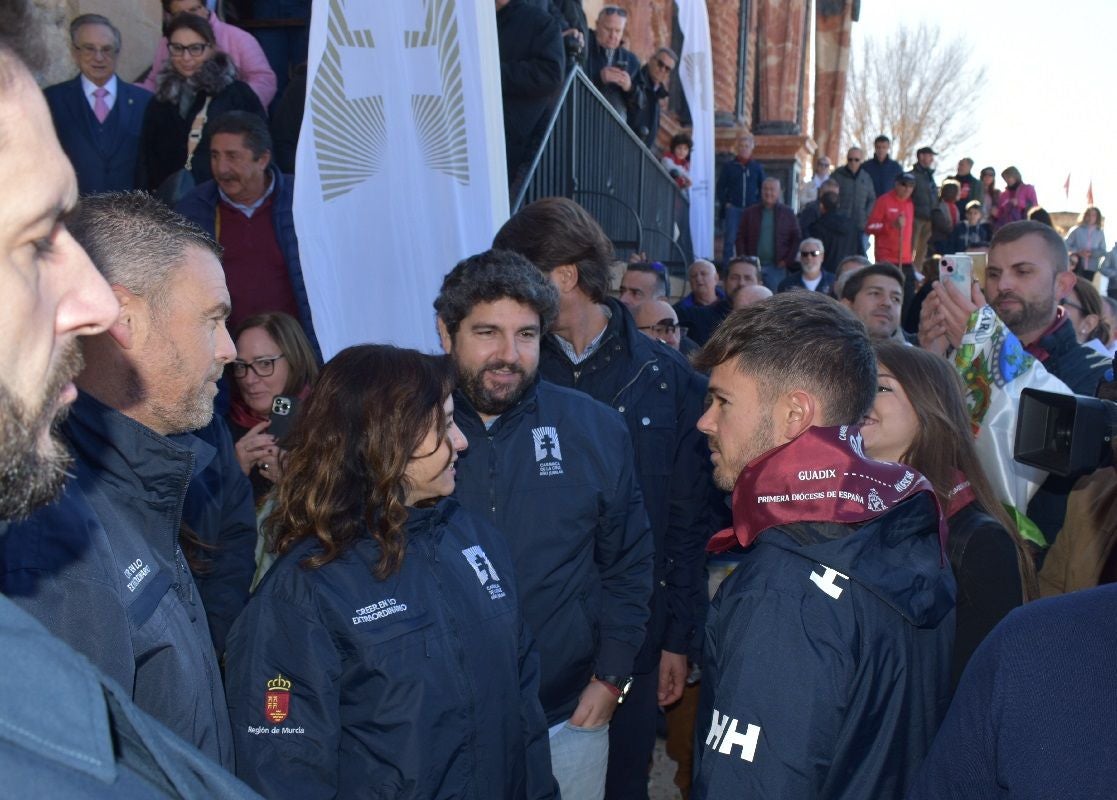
(555, 475)
(739, 184)
(661, 399)
(68, 731)
(219, 508)
(827, 661)
(883, 173)
(103, 154)
(102, 568)
(795, 281)
(1033, 716)
(421, 685)
(200, 206)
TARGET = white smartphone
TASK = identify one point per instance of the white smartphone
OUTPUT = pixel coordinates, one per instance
(957, 268)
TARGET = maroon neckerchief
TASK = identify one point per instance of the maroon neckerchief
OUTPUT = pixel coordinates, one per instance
(821, 476)
(1038, 352)
(960, 496)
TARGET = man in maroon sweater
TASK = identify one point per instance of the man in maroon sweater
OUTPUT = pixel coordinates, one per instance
(247, 208)
(770, 232)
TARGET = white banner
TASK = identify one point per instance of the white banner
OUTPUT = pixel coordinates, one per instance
(697, 76)
(401, 169)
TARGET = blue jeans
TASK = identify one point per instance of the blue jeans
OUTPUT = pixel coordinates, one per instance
(579, 758)
(731, 224)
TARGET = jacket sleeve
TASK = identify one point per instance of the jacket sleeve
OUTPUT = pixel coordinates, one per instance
(624, 556)
(768, 650)
(688, 522)
(276, 640)
(870, 193)
(252, 64)
(232, 535)
(541, 74)
(788, 248)
(877, 219)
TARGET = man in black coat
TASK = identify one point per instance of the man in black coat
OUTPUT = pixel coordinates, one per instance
(839, 236)
(650, 88)
(532, 61)
(611, 67)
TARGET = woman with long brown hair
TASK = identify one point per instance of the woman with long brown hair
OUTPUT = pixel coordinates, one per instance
(384, 654)
(920, 419)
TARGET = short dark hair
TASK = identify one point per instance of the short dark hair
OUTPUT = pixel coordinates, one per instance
(882, 138)
(853, 286)
(1014, 231)
(93, 19)
(251, 126)
(191, 22)
(681, 138)
(135, 241)
(829, 202)
(556, 231)
(491, 276)
(830, 353)
(651, 268)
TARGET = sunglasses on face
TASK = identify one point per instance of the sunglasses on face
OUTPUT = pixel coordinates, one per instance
(805, 253)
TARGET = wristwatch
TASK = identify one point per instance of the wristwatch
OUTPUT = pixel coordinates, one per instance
(616, 684)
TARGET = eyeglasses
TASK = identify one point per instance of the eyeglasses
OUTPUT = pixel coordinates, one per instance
(823, 163)
(664, 65)
(264, 366)
(607, 11)
(92, 51)
(665, 328)
(805, 253)
(179, 50)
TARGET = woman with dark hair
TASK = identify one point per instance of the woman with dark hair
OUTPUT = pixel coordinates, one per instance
(274, 358)
(990, 194)
(1087, 314)
(920, 419)
(384, 655)
(197, 85)
(1087, 239)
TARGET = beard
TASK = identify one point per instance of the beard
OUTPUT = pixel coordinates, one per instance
(33, 460)
(1028, 317)
(732, 465)
(180, 408)
(496, 400)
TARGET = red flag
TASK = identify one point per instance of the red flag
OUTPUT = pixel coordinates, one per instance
(1090, 193)
(1066, 186)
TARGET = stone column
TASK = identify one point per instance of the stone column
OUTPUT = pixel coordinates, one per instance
(832, 32)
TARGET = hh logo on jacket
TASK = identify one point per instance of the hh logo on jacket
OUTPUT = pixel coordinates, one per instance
(547, 450)
(724, 736)
(486, 572)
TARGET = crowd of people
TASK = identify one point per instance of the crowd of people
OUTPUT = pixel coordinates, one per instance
(776, 516)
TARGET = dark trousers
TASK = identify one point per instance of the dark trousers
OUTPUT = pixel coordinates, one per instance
(632, 740)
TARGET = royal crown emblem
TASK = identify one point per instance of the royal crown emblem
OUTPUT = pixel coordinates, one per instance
(277, 700)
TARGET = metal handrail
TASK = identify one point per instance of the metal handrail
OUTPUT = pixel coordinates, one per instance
(588, 149)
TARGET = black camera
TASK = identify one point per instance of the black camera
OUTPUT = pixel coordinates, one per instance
(1066, 434)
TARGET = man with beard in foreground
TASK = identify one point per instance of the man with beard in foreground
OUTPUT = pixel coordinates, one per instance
(827, 661)
(553, 470)
(103, 567)
(65, 729)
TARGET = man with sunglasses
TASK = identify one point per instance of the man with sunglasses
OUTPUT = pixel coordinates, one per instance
(856, 194)
(650, 87)
(810, 276)
(612, 68)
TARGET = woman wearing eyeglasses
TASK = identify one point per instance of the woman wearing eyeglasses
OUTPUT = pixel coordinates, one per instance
(196, 86)
(273, 358)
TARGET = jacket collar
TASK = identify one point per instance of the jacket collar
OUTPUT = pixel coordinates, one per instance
(131, 455)
(526, 403)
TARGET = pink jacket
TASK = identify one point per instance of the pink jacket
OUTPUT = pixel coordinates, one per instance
(245, 52)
